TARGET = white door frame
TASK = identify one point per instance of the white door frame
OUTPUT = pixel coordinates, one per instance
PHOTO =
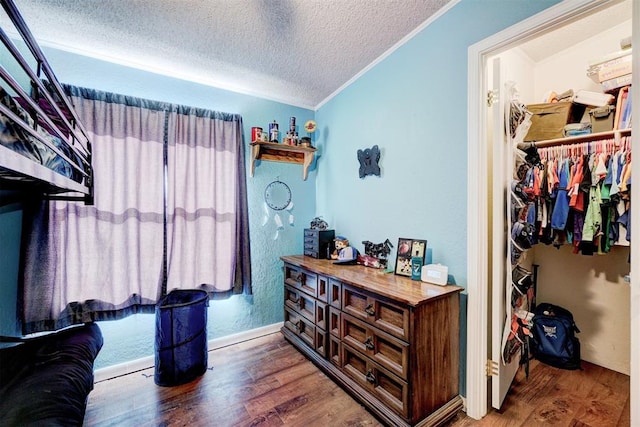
(478, 203)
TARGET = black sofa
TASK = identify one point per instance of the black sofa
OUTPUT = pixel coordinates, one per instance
(45, 381)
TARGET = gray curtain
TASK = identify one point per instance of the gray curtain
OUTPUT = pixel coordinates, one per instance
(207, 244)
(140, 238)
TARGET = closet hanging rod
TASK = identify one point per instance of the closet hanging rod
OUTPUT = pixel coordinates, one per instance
(575, 139)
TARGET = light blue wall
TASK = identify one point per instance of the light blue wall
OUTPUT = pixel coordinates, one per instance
(413, 105)
(133, 337)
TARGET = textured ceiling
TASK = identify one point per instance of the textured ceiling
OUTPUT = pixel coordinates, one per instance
(295, 51)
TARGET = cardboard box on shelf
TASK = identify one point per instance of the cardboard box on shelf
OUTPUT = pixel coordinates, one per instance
(602, 118)
(615, 68)
(597, 99)
(604, 62)
(616, 83)
(548, 120)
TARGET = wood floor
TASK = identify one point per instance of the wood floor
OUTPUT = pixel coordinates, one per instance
(266, 382)
(592, 397)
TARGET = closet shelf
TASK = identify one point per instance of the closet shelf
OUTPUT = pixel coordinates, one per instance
(616, 134)
(274, 152)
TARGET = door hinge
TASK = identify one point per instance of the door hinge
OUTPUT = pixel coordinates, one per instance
(492, 97)
(492, 368)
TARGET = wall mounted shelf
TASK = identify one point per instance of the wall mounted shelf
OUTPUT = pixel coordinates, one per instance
(274, 152)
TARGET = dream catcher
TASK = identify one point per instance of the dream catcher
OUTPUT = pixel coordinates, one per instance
(277, 198)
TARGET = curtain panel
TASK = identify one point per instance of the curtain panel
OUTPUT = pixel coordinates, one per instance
(170, 212)
(206, 183)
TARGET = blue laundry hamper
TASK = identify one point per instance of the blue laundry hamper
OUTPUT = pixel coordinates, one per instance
(181, 337)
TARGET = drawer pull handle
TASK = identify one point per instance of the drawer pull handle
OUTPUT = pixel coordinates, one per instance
(370, 377)
(369, 343)
(369, 310)
(298, 324)
(296, 276)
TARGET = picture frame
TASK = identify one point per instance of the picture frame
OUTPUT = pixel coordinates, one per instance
(407, 249)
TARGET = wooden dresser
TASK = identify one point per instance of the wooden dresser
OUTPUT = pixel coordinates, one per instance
(392, 342)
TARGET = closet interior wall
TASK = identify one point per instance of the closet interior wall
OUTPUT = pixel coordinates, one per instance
(592, 287)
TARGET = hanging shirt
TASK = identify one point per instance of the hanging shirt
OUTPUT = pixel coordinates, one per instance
(594, 215)
(536, 182)
(605, 240)
(618, 164)
(578, 226)
(626, 176)
(605, 191)
(600, 167)
(625, 219)
(621, 232)
(561, 207)
(552, 177)
(576, 200)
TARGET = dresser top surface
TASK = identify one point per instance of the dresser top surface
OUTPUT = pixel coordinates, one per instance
(401, 288)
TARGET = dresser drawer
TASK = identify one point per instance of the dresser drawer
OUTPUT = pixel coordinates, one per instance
(301, 279)
(310, 235)
(321, 317)
(335, 351)
(334, 297)
(300, 302)
(385, 315)
(311, 252)
(335, 322)
(323, 289)
(321, 342)
(385, 349)
(387, 387)
(300, 326)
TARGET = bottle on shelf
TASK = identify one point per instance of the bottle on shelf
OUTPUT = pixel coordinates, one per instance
(416, 266)
(273, 132)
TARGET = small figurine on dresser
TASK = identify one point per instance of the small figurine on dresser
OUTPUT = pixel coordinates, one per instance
(343, 253)
(319, 224)
(375, 254)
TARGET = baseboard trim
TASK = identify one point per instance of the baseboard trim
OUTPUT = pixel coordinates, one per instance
(143, 363)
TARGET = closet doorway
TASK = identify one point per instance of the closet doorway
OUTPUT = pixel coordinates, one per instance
(485, 158)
